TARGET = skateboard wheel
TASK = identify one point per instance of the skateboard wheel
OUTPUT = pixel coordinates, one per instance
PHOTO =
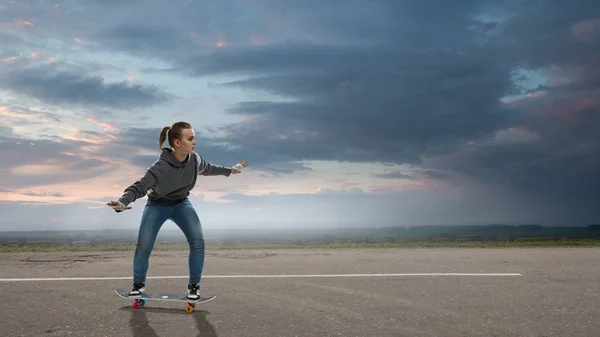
(143, 302)
(137, 305)
(189, 308)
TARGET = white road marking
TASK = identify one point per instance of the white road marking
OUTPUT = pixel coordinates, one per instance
(254, 276)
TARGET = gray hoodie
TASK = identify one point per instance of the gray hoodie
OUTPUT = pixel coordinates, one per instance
(170, 180)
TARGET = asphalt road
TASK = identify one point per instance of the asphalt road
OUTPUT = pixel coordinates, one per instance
(555, 292)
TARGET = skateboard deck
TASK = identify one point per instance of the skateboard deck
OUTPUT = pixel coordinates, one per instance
(139, 302)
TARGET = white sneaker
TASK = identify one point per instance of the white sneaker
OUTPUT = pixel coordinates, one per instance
(138, 289)
(193, 292)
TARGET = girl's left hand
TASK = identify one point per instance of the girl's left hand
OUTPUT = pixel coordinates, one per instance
(242, 164)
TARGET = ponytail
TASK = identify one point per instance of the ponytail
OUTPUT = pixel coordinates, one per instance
(163, 136)
(173, 131)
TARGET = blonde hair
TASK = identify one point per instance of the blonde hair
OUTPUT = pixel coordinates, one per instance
(174, 132)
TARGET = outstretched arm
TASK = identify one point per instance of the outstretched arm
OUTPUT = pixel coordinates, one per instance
(139, 188)
(206, 168)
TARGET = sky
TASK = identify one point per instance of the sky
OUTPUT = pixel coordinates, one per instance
(349, 113)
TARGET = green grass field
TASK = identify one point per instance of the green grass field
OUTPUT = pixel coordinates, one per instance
(526, 242)
(489, 236)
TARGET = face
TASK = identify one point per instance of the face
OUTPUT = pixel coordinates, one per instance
(187, 143)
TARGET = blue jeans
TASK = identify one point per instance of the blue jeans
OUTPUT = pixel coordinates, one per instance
(154, 216)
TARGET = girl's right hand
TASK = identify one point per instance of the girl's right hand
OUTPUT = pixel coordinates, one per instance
(117, 206)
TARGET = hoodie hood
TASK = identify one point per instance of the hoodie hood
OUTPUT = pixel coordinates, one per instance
(167, 155)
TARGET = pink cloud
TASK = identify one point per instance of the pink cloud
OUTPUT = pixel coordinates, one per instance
(105, 125)
(10, 59)
(24, 23)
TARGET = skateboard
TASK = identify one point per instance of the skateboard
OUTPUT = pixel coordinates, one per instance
(140, 302)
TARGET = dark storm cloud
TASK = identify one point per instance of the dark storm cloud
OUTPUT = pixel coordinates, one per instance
(147, 39)
(551, 33)
(207, 147)
(396, 107)
(417, 82)
(561, 165)
(361, 103)
(559, 176)
(412, 79)
(194, 27)
(435, 174)
(393, 175)
(60, 86)
(402, 103)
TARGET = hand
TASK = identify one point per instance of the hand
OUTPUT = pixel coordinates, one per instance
(235, 170)
(117, 206)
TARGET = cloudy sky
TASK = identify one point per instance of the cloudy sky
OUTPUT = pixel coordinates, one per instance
(350, 113)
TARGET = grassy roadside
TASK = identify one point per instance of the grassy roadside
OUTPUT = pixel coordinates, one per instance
(341, 245)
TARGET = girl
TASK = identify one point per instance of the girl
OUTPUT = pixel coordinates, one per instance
(168, 183)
